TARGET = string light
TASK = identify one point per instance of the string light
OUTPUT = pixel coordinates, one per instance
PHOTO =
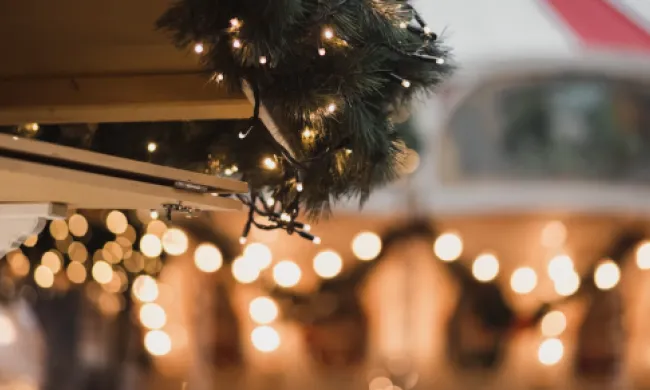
(263, 60)
(33, 127)
(78, 225)
(269, 163)
(366, 246)
(260, 254)
(152, 316)
(116, 222)
(145, 288)
(175, 242)
(270, 202)
(643, 256)
(306, 227)
(263, 310)
(219, 77)
(235, 23)
(348, 152)
(198, 48)
(265, 339)
(242, 240)
(328, 33)
(307, 134)
(244, 270)
(287, 273)
(157, 342)
(440, 61)
(553, 324)
(607, 275)
(150, 245)
(485, 267)
(559, 266)
(43, 276)
(76, 272)
(328, 264)
(316, 240)
(154, 214)
(426, 30)
(406, 83)
(523, 280)
(102, 272)
(331, 108)
(567, 284)
(299, 187)
(236, 43)
(550, 352)
(208, 258)
(403, 25)
(321, 51)
(285, 217)
(448, 247)
(151, 147)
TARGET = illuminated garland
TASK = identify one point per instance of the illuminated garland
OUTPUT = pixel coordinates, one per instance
(332, 75)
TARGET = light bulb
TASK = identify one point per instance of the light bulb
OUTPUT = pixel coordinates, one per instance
(307, 133)
(643, 256)
(263, 60)
(306, 227)
(316, 240)
(145, 288)
(235, 23)
(550, 352)
(331, 107)
(208, 258)
(219, 77)
(152, 316)
(242, 240)
(265, 339)
(269, 163)
(154, 214)
(607, 275)
(157, 342)
(245, 270)
(440, 61)
(448, 247)
(366, 246)
(285, 217)
(321, 51)
(406, 84)
(228, 172)
(287, 273)
(175, 242)
(270, 202)
(553, 324)
(426, 30)
(523, 280)
(299, 187)
(198, 48)
(328, 33)
(403, 25)
(485, 267)
(328, 264)
(260, 254)
(236, 43)
(263, 310)
(151, 147)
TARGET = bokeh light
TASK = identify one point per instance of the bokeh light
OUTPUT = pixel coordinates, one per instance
(607, 275)
(643, 255)
(150, 245)
(157, 228)
(145, 288)
(550, 352)
(286, 273)
(102, 272)
(59, 229)
(559, 266)
(78, 225)
(78, 252)
(328, 264)
(567, 284)
(265, 338)
(76, 272)
(485, 267)
(116, 222)
(174, 242)
(43, 276)
(18, 263)
(51, 260)
(263, 310)
(8, 332)
(152, 316)
(366, 246)
(244, 270)
(553, 324)
(448, 247)
(208, 258)
(157, 342)
(259, 253)
(523, 280)
(554, 234)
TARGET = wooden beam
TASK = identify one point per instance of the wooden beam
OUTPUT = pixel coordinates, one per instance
(125, 98)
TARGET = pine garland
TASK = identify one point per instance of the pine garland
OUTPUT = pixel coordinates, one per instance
(331, 73)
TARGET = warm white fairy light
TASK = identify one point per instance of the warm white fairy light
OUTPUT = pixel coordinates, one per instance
(175, 242)
(228, 172)
(219, 77)
(440, 61)
(331, 108)
(235, 23)
(523, 280)
(643, 255)
(328, 264)
(151, 147)
(43, 276)
(567, 284)
(152, 316)
(448, 247)
(270, 202)
(306, 227)
(262, 60)
(198, 48)
(485, 267)
(550, 352)
(316, 240)
(263, 310)
(403, 25)
(33, 127)
(145, 288)
(307, 134)
(607, 275)
(157, 342)
(242, 240)
(259, 254)
(366, 246)
(208, 258)
(553, 324)
(269, 163)
(236, 43)
(299, 187)
(321, 51)
(265, 339)
(285, 217)
(287, 273)
(328, 33)
(102, 272)
(559, 266)
(245, 270)
(406, 83)
(426, 30)
(150, 245)
(154, 214)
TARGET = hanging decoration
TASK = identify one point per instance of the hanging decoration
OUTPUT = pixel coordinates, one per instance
(328, 79)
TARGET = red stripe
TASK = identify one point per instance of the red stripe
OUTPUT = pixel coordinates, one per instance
(599, 24)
